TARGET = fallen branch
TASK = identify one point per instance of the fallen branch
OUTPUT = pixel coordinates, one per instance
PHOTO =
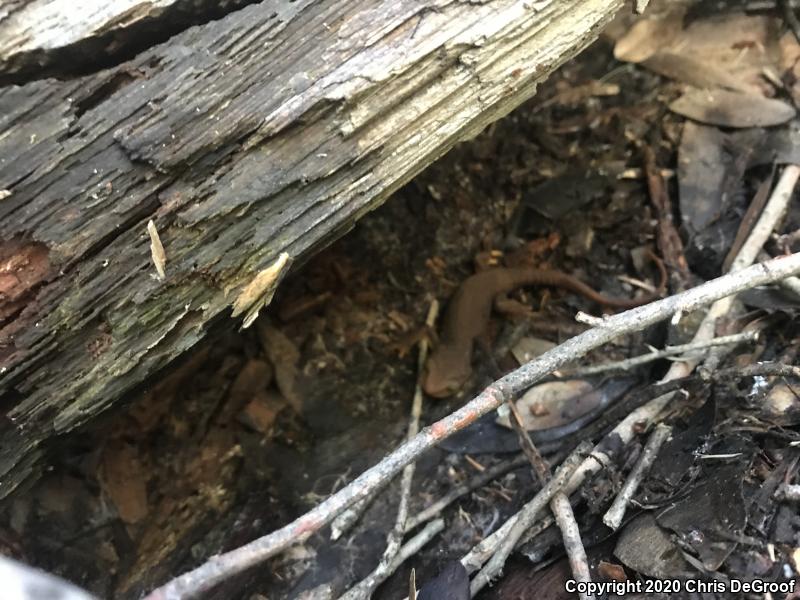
(221, 567)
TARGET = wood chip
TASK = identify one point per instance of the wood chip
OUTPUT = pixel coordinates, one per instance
(258, 293)
(157, 250)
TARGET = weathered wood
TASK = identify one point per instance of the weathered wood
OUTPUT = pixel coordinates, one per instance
(271, 130)
(64, 35)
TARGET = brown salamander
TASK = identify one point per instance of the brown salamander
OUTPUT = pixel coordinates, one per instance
(467, 317)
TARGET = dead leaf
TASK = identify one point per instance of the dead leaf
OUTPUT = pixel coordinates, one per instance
(261, 412)
(529, 348)
(693, 71)
(124, 481)
(731, 50)
(611, 572)
(253, 379)
(555, 404)
(648, 36)
(285, 357)
(732, 109)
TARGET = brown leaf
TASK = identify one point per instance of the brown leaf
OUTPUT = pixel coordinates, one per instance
(284, 356)
(648, 36)
(124, 481)
(555, 404)
(732, 109)
(261, 412)
(694, 71)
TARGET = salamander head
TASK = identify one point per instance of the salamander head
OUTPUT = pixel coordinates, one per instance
(446, 371)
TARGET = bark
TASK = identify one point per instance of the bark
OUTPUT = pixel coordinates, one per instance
(268, 131)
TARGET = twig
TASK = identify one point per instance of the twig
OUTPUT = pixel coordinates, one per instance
(526, 517)
(487, 547)
(573, 544)
(792, 284)
(614, 515)
(221, 567)
(415, 544)
(541, 469)
(559, 504)
(345, 521)
(669, 241)
(772, 214)
(387, 565)
(748, 220)
(454, 494)
(21, 582)
(629, 363)
(791, 18)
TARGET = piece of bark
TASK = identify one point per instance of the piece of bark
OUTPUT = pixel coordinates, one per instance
(270, 130)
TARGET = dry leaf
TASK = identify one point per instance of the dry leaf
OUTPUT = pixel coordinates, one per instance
(260, 413)
(648, 36)
(528, 348)
(124, 480)
(732, 109)
(258, 293)
(693, 71)
(285, 357)
(156, 249)
(555, 404)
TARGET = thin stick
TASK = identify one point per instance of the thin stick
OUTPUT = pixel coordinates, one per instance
(487, 547)
(790, 18)
(559, 504)
(388, 564)
(454, 494)
(526, 517)
(221, 567)
(415, 544)
(614, 515)
(573, 544)
(541, 469)
(792, 284)
(773, 212)
(629, 363)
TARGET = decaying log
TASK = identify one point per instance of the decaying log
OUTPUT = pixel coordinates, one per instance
(270, 130)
